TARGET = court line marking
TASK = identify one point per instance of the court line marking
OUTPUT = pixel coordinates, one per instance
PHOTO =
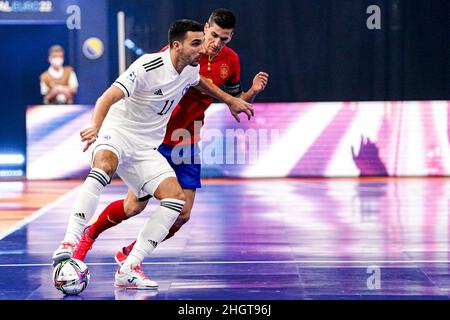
(304, 262)
(38, 213)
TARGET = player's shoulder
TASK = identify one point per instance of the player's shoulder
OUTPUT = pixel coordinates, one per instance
(165, 48)
(230, 53)
(192, 70)
(150, 58)
(148, 62)
(68, 69)
(44, 74)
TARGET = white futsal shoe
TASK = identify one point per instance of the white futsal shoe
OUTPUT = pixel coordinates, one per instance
(64, 252)
(134, 278)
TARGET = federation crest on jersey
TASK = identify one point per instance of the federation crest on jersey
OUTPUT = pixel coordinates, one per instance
(131, 76)
(224, 71)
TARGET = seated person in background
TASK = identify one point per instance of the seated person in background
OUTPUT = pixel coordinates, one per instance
(59, 83)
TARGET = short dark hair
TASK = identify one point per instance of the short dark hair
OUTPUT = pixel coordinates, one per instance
(224, 18)
(55, 47)
(178, 29)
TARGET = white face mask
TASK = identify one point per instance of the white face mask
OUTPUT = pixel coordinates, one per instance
(57, 62)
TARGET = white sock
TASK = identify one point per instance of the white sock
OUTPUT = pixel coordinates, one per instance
(86, 203)
(154, 231)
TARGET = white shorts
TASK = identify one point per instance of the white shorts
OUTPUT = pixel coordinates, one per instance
(138, 165)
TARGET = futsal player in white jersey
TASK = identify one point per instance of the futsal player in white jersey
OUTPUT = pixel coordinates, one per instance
(128, 124)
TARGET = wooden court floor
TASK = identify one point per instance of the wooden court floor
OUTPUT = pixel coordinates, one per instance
(277, 239)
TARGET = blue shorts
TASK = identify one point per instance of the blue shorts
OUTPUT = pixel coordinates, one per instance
(187, 168)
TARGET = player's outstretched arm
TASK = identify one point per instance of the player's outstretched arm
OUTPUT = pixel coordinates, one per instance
(236, 105)
(259, 84)
(107, 99)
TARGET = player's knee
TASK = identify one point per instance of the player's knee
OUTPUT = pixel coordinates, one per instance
(132, 208)
(106, 167)
(176, 193)
(169, 188)
(107, 161)
(179, 195)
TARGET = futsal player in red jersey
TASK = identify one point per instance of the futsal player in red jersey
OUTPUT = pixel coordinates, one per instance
(220, 65)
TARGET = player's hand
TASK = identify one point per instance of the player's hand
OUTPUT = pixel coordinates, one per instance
(237, 105)
(260, 82)
(89, 135)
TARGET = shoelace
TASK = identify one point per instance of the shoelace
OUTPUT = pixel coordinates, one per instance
(140, 272)
(65, 245)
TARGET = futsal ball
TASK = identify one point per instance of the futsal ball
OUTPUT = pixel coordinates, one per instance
(71, 276)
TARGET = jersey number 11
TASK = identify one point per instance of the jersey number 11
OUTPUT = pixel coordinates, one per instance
(163, 111)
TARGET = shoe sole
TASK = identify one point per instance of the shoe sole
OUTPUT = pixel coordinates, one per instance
(134, 287)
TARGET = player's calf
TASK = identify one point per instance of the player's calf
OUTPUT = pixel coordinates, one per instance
(123, 253)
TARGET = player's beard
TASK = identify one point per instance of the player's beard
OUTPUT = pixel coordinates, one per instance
(195, 62)
(188, 61)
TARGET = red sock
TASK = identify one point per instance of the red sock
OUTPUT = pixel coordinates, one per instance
(113, 214)
(128, 248)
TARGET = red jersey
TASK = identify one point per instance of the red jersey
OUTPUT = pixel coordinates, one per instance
(223, 70)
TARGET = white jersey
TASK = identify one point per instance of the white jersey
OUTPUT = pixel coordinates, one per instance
(152, 89)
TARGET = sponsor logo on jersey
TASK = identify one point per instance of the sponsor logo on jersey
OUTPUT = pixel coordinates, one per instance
(158, 92)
